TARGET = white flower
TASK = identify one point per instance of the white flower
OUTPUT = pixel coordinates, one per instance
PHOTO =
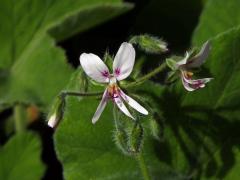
(187, 64)
(123, 64)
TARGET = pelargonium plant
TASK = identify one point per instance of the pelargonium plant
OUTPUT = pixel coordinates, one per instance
(129, 138)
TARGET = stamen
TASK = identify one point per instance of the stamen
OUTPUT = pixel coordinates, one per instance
(188, 74)
(113, 91)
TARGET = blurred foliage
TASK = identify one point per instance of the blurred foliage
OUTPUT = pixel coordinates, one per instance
(20, 158)
(33, 69)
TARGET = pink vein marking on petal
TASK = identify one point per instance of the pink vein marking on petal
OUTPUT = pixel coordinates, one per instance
(117, 71)
(105, 74)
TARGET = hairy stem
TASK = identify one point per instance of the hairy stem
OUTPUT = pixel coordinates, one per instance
(72, 93)
(143, 167)
(147, 76)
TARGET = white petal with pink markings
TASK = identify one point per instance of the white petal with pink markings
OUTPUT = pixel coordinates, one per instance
(94, 67)
(124, 61)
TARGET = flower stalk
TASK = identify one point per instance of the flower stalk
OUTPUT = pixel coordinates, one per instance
(73, 93)
(141, 162)
(147, 76)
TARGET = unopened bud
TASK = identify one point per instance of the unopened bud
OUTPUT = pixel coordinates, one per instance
(150, 44)
(136, 138)
(56, 114)
(121, 140)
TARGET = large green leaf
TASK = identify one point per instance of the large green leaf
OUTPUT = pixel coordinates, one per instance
(88, 151)
(32, 68)
(218, 16)
(20, 158)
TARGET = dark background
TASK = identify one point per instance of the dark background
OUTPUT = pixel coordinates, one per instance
(172, 20)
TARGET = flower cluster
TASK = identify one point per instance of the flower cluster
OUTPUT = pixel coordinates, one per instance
(122, 67)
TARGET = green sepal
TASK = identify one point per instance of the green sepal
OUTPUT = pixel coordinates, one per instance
(171, 63)
(172, 76)
(58, 108)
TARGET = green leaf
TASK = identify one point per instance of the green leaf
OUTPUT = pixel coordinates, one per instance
(20, 158)
(32, 68)
(88, 151)
(223, 64)
(218, 16)
(204, 123)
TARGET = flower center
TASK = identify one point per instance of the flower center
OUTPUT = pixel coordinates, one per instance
(188, 74)
(113, 89)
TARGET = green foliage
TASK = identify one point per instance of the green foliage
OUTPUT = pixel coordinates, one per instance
(32, 68)
(218, 16)
(20, 158)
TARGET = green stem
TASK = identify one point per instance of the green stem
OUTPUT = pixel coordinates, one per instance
(72, 93)
(115, 114)
(143, 167)
(147, 76)
(20, 118)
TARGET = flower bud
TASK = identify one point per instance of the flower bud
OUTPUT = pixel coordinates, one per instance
(56, 114)
(121, 140)
(149, 44)
(136, 138)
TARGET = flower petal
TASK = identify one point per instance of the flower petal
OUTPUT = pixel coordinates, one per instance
(134, 104)
(94, 67)
(183, 61)
(100, 107)
(122, 107)
(124, 61)
(187, 86)
(194, 84)
(200, 58)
